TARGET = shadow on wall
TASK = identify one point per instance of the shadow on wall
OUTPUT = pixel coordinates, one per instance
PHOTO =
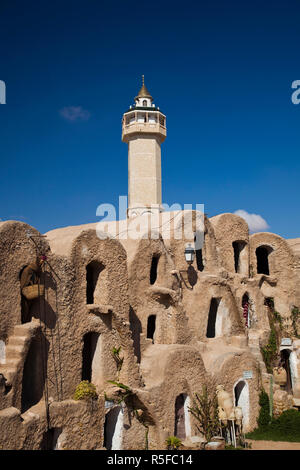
(91, 357)
(34, 372)
(136, 330)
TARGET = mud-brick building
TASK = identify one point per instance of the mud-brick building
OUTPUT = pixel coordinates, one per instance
(134, 311)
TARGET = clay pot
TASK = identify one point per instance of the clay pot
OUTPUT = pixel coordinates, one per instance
(280, 376)
(225, 402)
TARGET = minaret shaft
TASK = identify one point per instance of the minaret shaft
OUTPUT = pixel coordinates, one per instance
(144, 129)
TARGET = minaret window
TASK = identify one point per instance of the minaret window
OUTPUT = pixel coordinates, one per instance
(144, 102)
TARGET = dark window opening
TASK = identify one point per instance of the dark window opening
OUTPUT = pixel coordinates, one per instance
(144, 102)
(262, 253)
(93, 271)
(151, 327)
(212, 316)
(179, 429)
(89, 346)
(153, 270)
(199, 255)
(199, 260)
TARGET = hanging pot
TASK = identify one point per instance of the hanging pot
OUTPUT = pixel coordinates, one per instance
(33, 292)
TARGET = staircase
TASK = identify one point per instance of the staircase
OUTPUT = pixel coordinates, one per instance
(16, 350)
(253, 343)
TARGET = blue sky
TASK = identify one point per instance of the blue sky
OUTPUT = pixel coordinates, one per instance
(220, 71)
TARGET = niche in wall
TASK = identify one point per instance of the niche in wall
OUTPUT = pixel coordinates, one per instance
(151, 325)
(153, 269)
(93, 270)
(262, 259)
(240, 257)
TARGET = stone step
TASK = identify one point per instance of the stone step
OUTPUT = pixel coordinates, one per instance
(14, 351)
(17, 340)
(12, 361)
(26, 328)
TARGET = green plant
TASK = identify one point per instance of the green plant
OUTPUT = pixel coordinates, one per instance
(118, 359)
(285, 428)
(172, 442)
(264, 417)
(124, 391)
(85, 390)
(295, 315)
(277, 318)
(205, 410)
(269, 352)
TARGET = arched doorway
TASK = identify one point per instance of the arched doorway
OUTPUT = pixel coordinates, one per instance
(182, 428)
(241, 398)
(34, 372)
(262, 259)
(240, 256)
(91, 358)
(153, 269)
(151, 324)
(113, 429)
(93, 271)
(212, 317)
(286, 362)
(52, 439)
(246, 306)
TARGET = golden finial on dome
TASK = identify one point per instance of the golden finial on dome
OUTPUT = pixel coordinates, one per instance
(144, 93)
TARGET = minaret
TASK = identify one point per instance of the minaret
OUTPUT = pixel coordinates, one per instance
(144, 129)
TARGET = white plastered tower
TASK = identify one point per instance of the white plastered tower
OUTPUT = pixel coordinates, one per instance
(144, 129)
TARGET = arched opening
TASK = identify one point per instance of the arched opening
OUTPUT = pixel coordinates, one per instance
(113, 429)
(182, 428)
(144, 102)
(239, 251)
(93, 271)
(136, 330)
(34, 372)
(246, 310)
(285, 362)
(212, 316)
(262, 259)
(199, 255)
(151, 324)
(153, 269)
(52, 439)
(199, 260)
(241, 399)
(91, 357)
(27, 276)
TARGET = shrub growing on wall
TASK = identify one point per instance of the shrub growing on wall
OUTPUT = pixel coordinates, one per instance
(264, 417)
(85, 390)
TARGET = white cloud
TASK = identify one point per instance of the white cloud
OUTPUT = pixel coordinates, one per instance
(255, 221)
(75, 113)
